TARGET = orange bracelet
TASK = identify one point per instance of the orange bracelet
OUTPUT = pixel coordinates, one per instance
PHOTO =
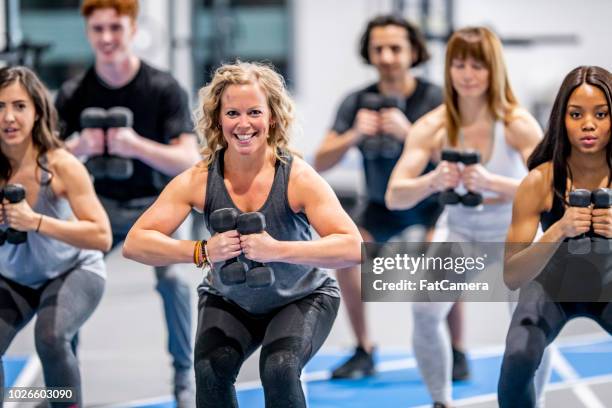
(196, 254)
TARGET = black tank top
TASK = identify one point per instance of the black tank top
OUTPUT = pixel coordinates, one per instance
(292, 281)
(548, 218)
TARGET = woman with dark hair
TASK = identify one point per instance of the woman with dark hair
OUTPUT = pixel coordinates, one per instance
(575, 153)
(481, 114)
(58, 273)
(245, 116)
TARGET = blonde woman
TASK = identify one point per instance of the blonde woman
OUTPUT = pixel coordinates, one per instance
(245, 116)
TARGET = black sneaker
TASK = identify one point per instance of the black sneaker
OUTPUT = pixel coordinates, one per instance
(461, 370)
(438, 405)
(360, 365)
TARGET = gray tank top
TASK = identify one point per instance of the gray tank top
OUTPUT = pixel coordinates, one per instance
(292, 281)
(42, 258)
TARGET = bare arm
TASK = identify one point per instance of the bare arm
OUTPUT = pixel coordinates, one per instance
(149, 240)
(367, 123)
(525, 260)
(334, 147)
(170, 159)
(406, 187)
(90, 229)
(340, 242)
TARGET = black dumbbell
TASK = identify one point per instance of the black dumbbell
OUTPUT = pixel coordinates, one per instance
(471, 199)
(601, 198)
(119, 168)
(580, 244)
(106, 166)
(259, 275)
(449, 196)
(95, 118)
(382, 145)
(233, 272)
(14, 193)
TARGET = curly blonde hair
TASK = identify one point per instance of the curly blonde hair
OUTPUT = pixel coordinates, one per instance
(206, 115)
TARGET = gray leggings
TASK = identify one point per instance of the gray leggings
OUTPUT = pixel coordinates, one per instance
(62, 305)
(431, 341)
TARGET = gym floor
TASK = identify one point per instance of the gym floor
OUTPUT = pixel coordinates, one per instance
(124, 362)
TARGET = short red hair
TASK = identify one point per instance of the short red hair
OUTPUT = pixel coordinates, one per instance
(123, 7)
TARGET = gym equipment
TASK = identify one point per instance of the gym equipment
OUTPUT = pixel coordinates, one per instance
(259, 275)
(450, 196)
(233, 272)
(601, 198)
(382, 145)
(580, 244)
(106, 165)
(14, 193)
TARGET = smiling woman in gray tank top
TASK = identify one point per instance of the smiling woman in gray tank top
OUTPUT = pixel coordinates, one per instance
(245, 117)
(51, 263)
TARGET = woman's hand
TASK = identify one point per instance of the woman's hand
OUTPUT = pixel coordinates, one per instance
(223, 246)
(20, 216)
(476, 178)
(575, 221)
(602, 221)
(259, 247)
(446, 176)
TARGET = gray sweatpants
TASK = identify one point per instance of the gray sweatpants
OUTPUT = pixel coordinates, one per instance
(62, 305)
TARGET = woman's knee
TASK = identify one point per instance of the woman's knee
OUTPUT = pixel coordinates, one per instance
(220, 365)
(51, 345)
(281, 368)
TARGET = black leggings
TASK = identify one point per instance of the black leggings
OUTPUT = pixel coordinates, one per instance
(289, 337)
(62, 305)
(535, 324)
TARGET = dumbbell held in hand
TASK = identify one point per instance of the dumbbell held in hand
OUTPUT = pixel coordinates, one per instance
(580, 244)
(449, 196)
(233, 272)
(471, 199)
(259, 275)
(14, 193)
(601, 198)
(382, 145)
(107, 166)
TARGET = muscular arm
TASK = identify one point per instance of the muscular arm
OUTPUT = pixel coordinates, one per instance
(340, 242)
(525, 259)
(406, 188)
(149, 240)
(91, 228)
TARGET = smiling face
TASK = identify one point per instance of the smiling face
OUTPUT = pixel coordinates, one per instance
(17, 115)
(245, 118)
(110, 35)
(469, 76)
(587, 119)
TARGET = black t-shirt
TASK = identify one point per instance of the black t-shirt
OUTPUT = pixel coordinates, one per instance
(161, 113)
(425, 98)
